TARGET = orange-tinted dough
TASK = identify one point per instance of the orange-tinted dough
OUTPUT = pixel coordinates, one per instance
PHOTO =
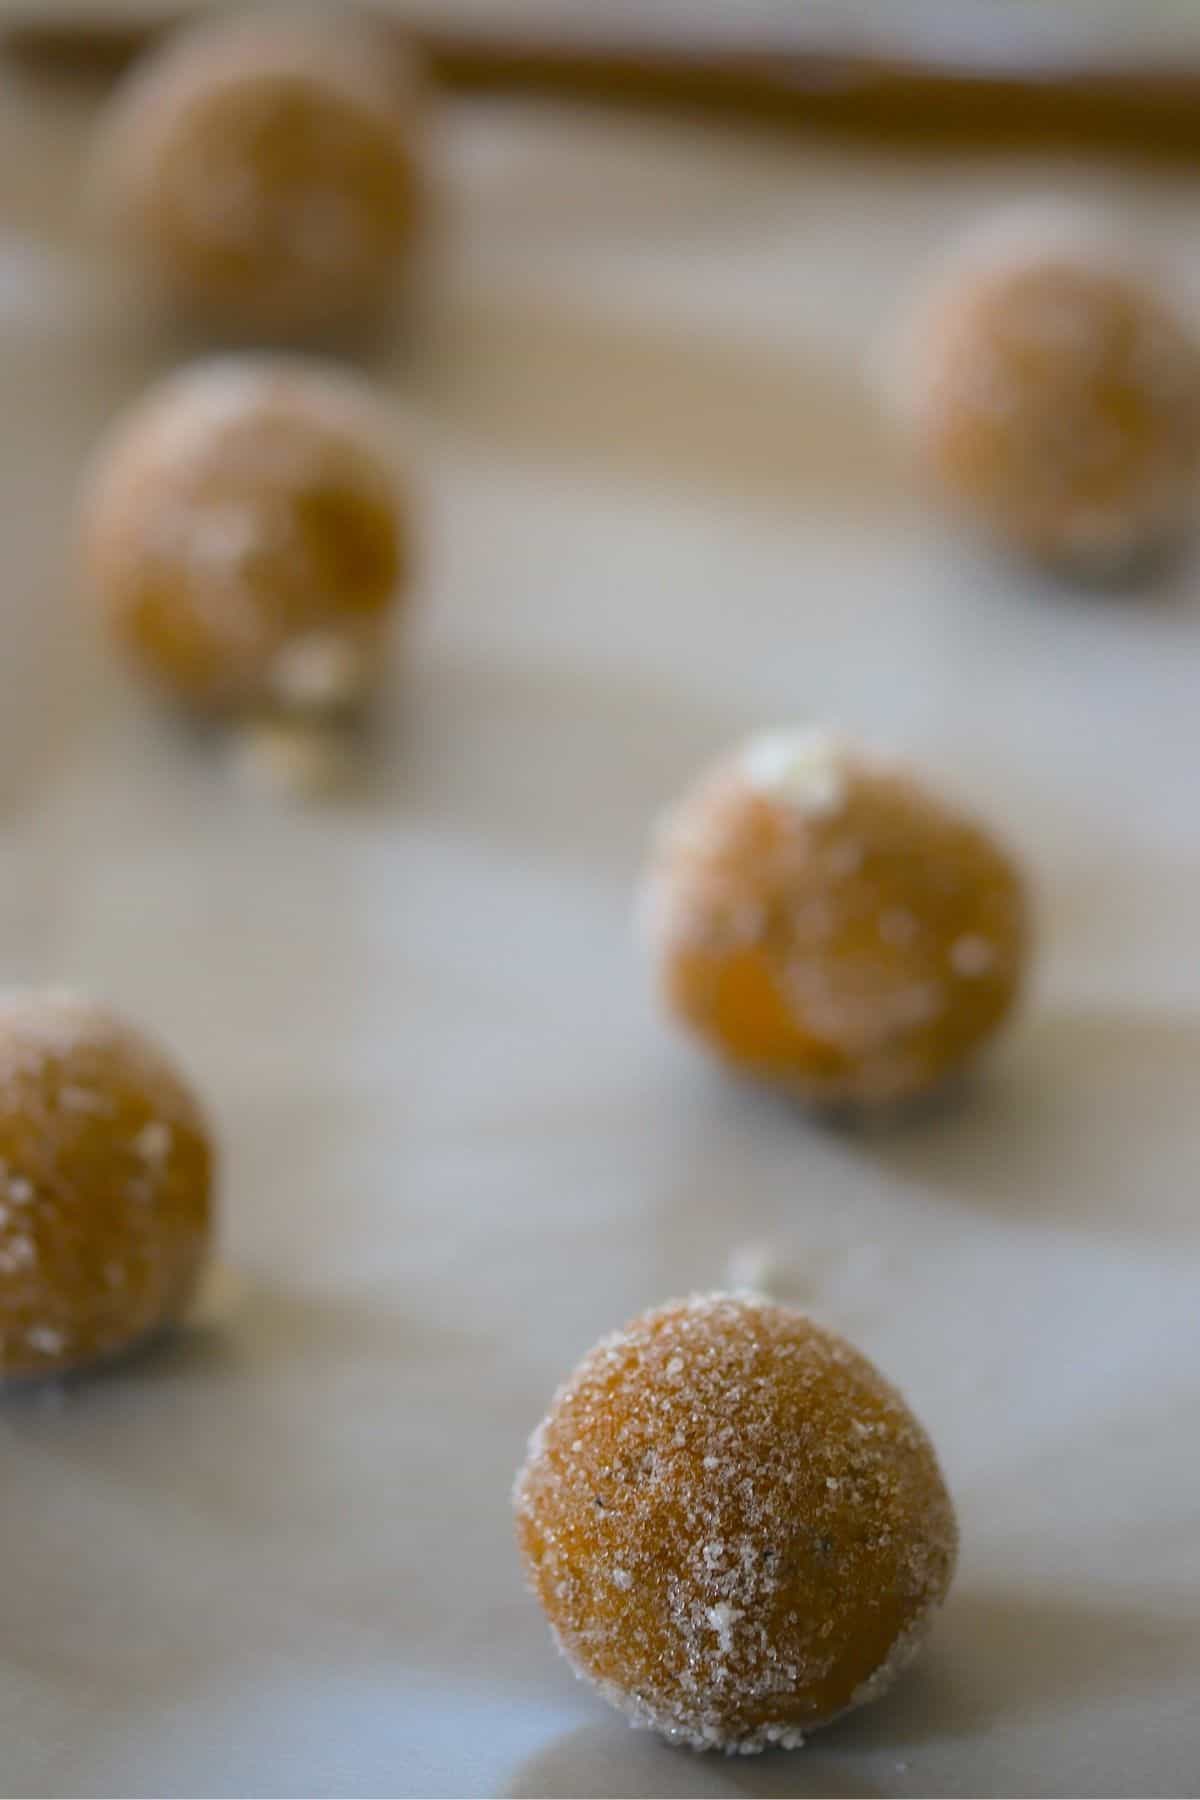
(735, 1526)
(264, 169)
(245, 535)
(820, 920)
(1054, 395)
(106, 1179)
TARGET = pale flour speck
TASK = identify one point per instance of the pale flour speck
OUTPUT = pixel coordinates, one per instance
(972, 955)
(153, 1142)
(45, 1340)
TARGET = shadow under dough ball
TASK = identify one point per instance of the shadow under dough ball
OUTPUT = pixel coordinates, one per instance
(1052, 393)
(735, 1526)
(245, 534)
(106, 1184)
(264, 171)
(819, 920)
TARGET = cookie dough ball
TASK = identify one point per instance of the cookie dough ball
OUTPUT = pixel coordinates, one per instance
(821, 921)
(1054, 395)
(106, 1177)
(245, 535)
(263, 171)
(734, 1524)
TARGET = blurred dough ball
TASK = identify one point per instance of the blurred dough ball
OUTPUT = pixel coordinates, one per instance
(264, 170)
(1053, 393)
(106, 1178)
(820, 920)
(246, 536)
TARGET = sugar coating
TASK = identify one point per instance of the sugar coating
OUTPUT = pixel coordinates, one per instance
(320, 671)
(245, 533)
(805, 767)
(153, 1141)
(819, 917)
(972, 955)
(735, 1526)
(105, 1184)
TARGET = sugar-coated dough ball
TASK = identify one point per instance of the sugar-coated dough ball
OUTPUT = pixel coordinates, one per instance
(106, 1178)
(264, 169)
(735, 1526)
(1053, 394)
(245, 534)
(822, 921)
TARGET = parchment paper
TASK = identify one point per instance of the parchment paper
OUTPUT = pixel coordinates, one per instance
(276, 1558)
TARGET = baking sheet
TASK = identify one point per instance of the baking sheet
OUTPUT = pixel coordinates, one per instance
(276, 1558)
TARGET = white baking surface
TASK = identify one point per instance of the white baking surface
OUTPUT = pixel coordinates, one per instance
(276, 1558)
